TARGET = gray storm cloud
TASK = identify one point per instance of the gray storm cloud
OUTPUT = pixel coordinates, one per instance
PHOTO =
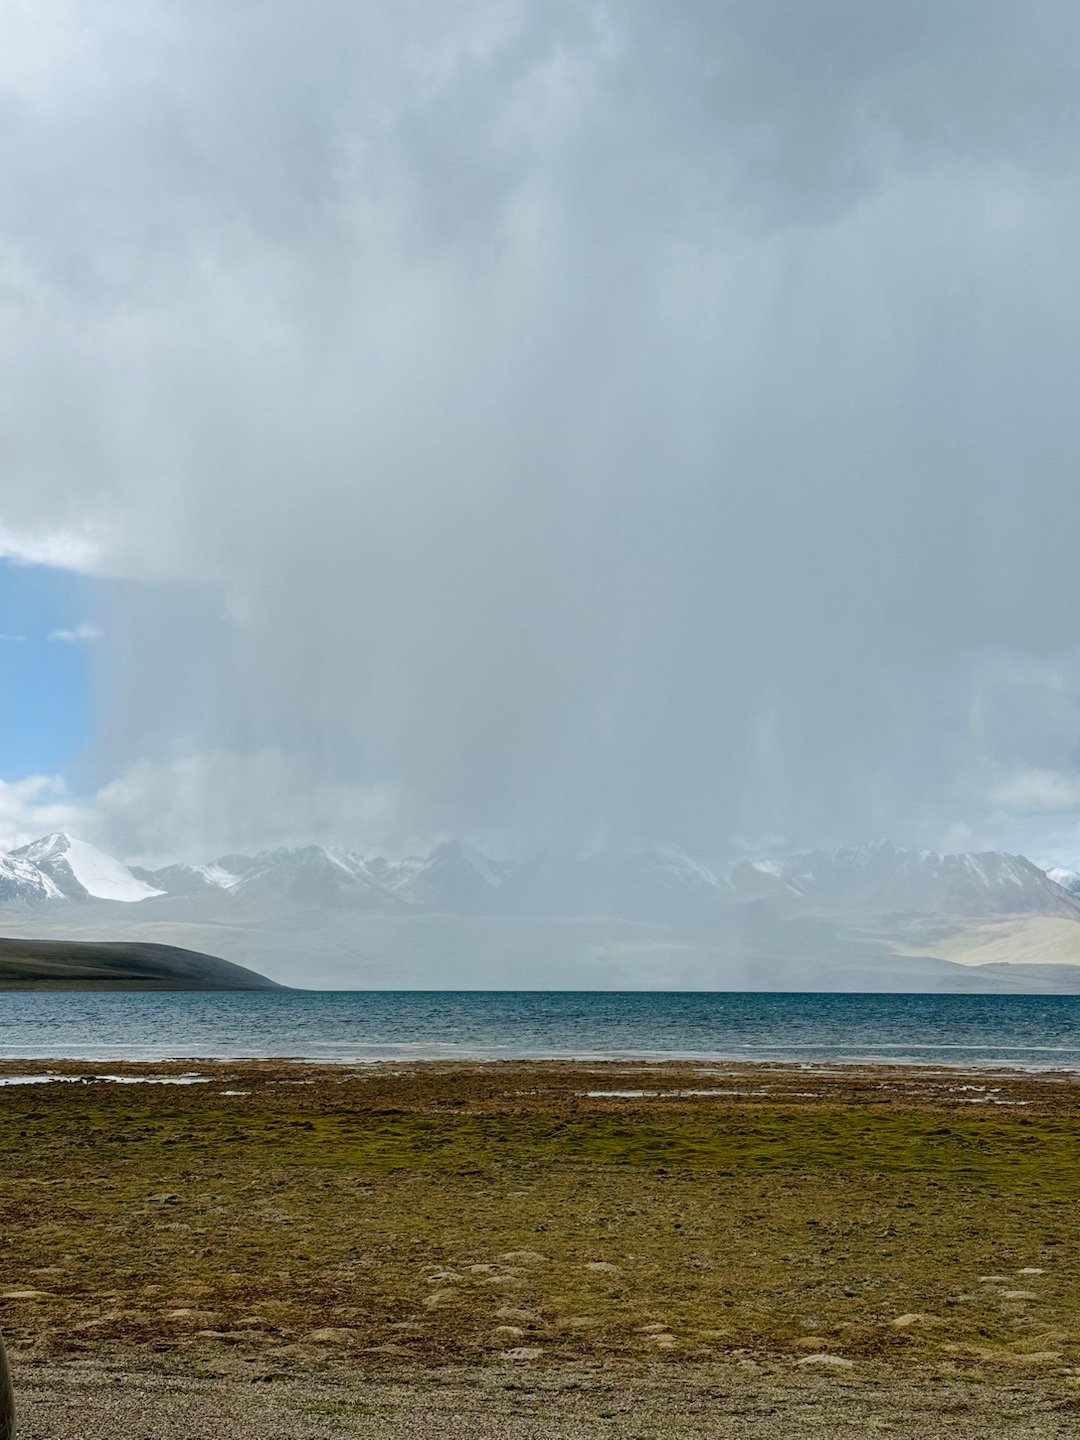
(554, 421)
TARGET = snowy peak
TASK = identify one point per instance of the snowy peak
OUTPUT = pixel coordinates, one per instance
(23, 883)
(312, 875)
(675, 870)
(760, 880)
(187, 879)
(81, 872)
(660, 883)
(883, 877)
(656, 884)
(453, 877)
(455, 854)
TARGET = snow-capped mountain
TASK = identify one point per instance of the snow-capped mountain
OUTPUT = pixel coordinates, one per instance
(883, 878)
(1067, 879)
(81, 872)
(660, 883)
(863, 917)
(23, 883)
(311, 875)
(759, 880)
(454, 876)
(186, 879)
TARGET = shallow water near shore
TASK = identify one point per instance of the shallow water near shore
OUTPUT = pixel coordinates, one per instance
(1039, 1032)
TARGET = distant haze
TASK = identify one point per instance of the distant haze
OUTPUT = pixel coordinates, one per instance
(550, 423)
(861, 917)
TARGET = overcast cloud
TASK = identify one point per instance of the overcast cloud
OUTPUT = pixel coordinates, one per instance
(554, 422)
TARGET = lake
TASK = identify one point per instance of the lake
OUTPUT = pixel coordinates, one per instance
(1028, 1031)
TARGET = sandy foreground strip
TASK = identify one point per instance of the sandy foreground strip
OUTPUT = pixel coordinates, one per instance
(278, 1249)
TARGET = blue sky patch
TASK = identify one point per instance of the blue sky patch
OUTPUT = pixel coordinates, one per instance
(45, 630)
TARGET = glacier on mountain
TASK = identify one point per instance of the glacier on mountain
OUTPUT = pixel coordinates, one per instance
(79, 871)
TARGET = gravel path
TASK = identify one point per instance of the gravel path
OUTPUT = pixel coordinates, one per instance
(722, 1402)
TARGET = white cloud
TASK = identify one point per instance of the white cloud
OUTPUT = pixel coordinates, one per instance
(590, 416)
(1044, 791)
(59, 549)
(201, 805)
(36, 806)
(78, 635)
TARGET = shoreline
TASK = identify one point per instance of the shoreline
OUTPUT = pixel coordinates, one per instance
(126, 1054)
(850, 1078)
(61, 1063)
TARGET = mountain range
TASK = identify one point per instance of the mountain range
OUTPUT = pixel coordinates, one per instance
(655, 884)
(857, 917)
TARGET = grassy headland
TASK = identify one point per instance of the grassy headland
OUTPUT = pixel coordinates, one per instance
(118, 965)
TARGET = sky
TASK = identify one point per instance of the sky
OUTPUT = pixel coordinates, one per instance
(44, 714)
(539, 421)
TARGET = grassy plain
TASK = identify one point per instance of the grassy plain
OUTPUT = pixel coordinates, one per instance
(756, 1231)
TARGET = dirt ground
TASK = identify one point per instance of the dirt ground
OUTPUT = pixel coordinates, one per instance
(731, 1401)
(522, 1250)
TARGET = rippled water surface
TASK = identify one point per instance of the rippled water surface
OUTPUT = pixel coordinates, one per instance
(1037, 1032)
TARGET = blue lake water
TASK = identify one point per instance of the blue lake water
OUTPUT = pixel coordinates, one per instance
(1032, 1032)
